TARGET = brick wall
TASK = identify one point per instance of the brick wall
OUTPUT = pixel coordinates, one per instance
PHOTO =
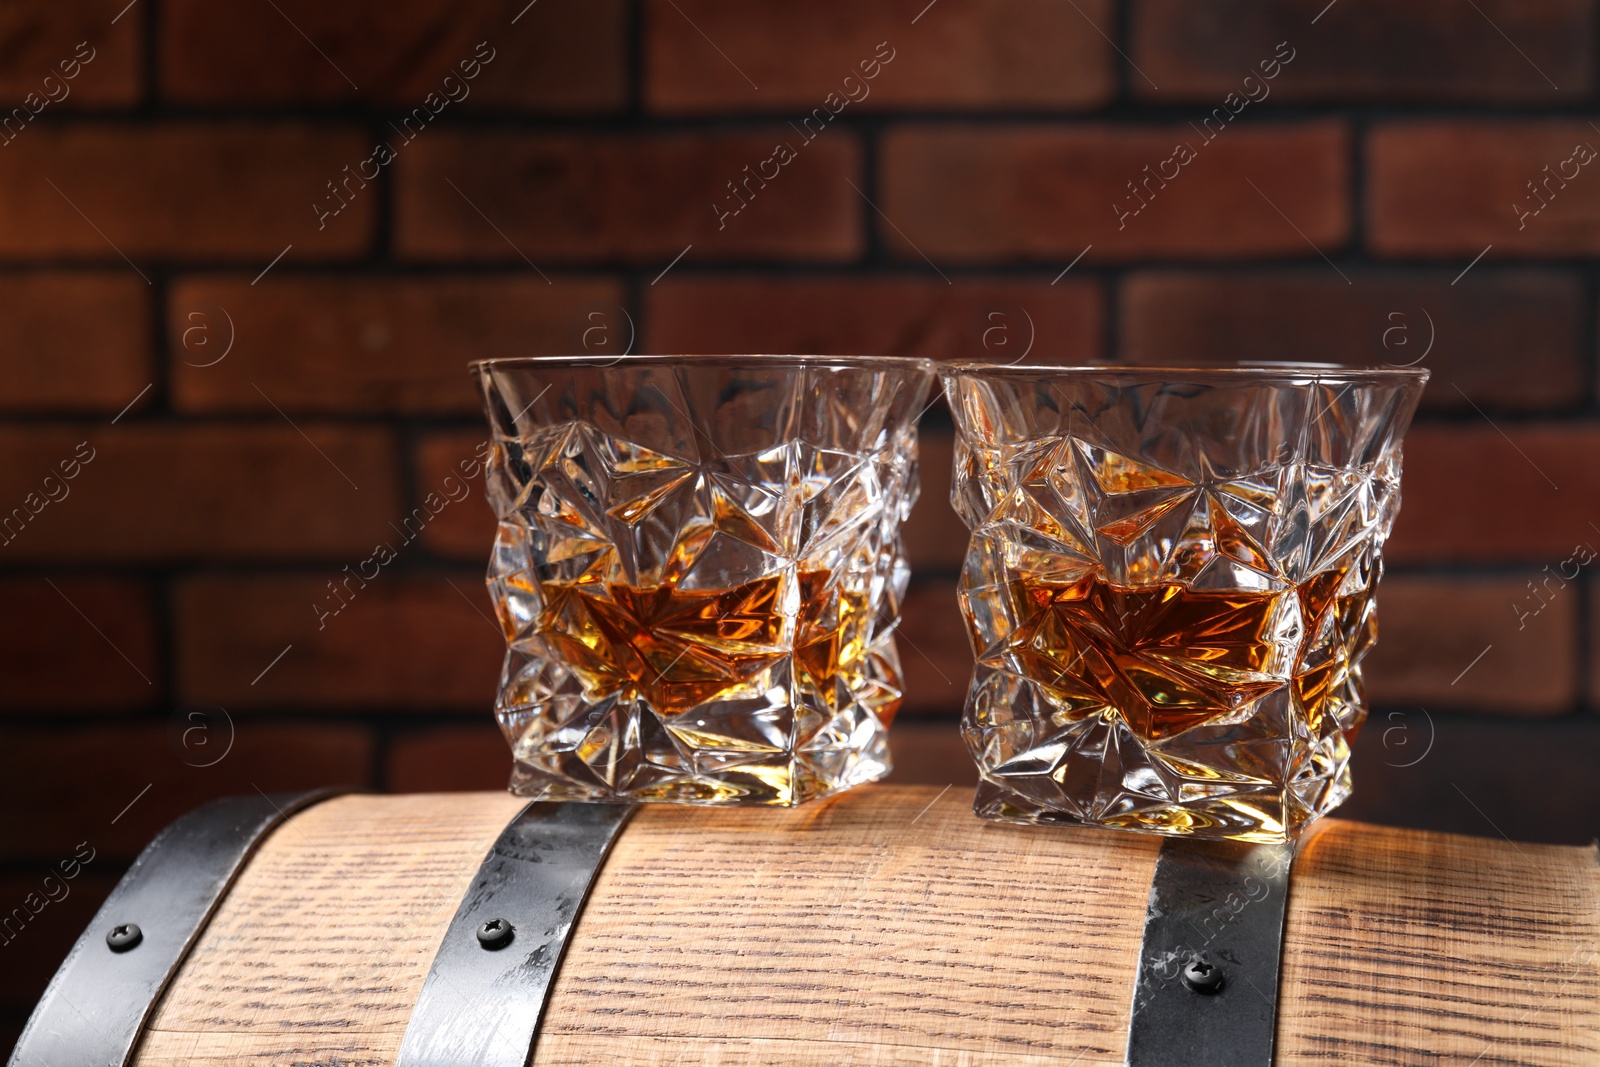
(244, 333)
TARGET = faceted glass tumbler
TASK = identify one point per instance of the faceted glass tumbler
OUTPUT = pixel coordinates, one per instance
(1169, 587)
(698, 571)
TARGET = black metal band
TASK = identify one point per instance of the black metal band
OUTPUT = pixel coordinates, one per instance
(95, 1007)
(1207, 989)
(486, 991)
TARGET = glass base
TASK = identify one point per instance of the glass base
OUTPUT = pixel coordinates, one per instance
(1236, 821)
(731, 752)
(780, 785)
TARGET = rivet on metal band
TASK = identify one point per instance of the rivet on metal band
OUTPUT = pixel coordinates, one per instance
(486, 991)
(1207, 988)
(92, 1012)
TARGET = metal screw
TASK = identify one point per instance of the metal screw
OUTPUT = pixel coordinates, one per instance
(495, 933)
(124, 936)
(1203, 976)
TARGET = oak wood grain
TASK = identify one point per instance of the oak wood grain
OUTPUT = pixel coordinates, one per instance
(883, 928)
(317, 953)
(889, 917)
(1406, 947)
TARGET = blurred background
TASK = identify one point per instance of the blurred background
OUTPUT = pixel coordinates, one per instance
(247, 248)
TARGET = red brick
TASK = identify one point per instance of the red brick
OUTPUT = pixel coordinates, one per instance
(365, 345)
(51, 656)
(564, 55)
(987, 54)
(882, 316)
(1367, 50)
(934, 651)
(935, 536)
(1432, 629)
(463, 531)
(1593, 694)
(155, 492)
(1509, 340)
(1479, 775)
(72, 785)
(636, 199)
(73, 342)
(1482, 493)
(931, 753)
(449, 759)
(1452, 189)
(402, 642)
(238, 192)
(40, 38)
(1008, 193)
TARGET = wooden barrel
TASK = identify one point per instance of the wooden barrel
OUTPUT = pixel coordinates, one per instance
(886, 927)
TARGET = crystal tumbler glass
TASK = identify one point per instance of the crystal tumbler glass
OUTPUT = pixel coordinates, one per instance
(698, 571)
(1169, 587)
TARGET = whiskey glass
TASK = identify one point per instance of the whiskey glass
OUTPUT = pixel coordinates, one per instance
(698, 570)
(1169, 587)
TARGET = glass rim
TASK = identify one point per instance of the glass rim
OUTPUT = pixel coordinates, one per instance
(753, 360)
(1267, 370)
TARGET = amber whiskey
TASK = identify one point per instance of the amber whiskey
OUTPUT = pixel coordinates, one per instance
(676, 649)
(1168, 708)
(1166, 657)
